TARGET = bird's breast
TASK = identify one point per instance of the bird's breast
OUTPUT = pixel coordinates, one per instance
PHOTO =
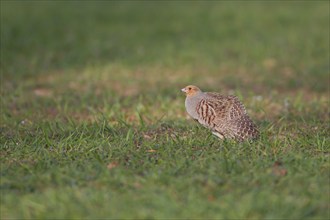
(191, 104)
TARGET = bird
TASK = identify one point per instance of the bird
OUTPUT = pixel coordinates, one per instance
(224, 115)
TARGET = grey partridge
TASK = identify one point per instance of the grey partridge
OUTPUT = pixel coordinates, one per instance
(225, 116)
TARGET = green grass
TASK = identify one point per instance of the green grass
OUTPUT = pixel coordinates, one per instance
(93, 124)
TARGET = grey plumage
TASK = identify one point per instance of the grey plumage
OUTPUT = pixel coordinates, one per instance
(225, 116)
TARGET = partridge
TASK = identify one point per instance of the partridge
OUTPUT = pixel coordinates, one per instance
(225, 116)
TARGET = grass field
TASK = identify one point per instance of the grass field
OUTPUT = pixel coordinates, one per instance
(93, 123)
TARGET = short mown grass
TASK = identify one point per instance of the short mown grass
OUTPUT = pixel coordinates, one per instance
(93, 123)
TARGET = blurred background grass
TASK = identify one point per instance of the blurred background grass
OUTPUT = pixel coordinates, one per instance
(88, 88)
(119, 49)
(281, 42)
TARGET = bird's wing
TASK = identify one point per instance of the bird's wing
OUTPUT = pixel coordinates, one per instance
(212, 109)
(226, 116)
(236, 123)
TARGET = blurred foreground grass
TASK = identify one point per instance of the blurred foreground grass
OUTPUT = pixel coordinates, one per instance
(93, 123)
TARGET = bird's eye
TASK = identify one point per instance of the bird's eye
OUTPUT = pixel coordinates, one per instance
(189, 88)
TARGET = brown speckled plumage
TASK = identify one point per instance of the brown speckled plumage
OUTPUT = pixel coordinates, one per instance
(225, 116)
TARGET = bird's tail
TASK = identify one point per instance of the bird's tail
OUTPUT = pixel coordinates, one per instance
(243, 129)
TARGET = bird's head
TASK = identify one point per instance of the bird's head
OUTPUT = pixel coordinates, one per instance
(191, 90)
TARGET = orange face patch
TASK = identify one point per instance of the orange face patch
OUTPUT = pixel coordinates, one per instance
(190, 90)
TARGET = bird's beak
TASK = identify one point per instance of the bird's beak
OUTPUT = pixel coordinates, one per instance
(184, 90)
